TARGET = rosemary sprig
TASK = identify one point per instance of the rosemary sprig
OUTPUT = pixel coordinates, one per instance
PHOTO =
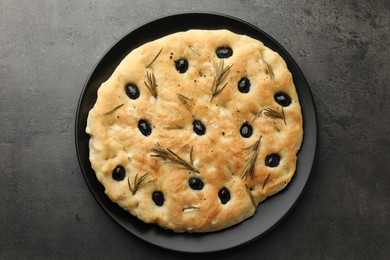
(250, 166)
(258, 115)
(250, 195)
(254, 147)
(138, 183)
(221, 73)
(155, 58)
(273, 114)
(171, 157)
(195, 50)
(265, 182)
(185, 100)
(113, 110)
(151, 83)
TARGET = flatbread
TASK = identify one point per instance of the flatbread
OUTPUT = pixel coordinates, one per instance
(193, 130)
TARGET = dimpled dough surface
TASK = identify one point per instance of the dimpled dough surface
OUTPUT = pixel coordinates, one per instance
(155, 164)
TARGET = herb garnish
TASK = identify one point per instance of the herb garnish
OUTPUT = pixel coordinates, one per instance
(158, 54)
(266, 181)
(272, 113)
(185, 100)
(221, 73)
(151, 84)
(250, 166)
(250, 196)
(194, 50)
(112, 110)
(138, 183)
(171, 157)
(173, 127)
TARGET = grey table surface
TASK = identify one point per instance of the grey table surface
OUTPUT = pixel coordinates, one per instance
(48, 49)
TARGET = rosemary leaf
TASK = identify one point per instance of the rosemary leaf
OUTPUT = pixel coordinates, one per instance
(273, 114)
(249, 169)
(217, 91)
(113, 110)
(151, 83)
(250, 196)
(158, 54)
(185, 100)
(194, 50)
(171, 157)
(173, 127)
(191, 157)
(266, 181)
(221, 73)
(128, 182)
(284, 117)
(138, 183)
(254, 146)
(257, 115)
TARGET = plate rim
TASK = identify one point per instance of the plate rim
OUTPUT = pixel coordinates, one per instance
(314, 138)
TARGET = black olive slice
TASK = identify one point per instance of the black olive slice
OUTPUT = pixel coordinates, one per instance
(272, 160)
(244, 85)
(195, 183)
(181, 65)
(282, 99)
(132, 91)
(198, 127)
(224, 52)
(144, 127)
(158, 198)
(246, 130)
(224, 195)
(119, 173)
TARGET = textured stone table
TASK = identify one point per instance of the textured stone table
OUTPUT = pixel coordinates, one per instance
(48, 49)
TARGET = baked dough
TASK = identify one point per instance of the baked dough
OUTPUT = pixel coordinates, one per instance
(193, 130)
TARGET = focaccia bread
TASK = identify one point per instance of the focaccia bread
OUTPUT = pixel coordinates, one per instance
(193, 130)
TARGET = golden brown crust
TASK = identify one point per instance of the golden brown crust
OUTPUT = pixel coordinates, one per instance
(221, 157)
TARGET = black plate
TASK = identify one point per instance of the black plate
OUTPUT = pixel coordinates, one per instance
(270, 212)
